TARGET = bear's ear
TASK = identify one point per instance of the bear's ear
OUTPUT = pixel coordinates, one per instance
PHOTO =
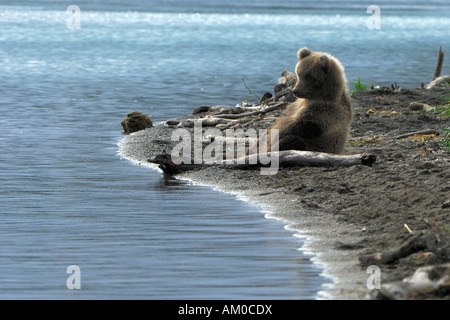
(304, 52)
(324, 62)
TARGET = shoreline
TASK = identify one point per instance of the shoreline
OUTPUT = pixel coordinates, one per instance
(339, 267)
(307, 239)
(349, 212)
(267, 208)
(334, 265)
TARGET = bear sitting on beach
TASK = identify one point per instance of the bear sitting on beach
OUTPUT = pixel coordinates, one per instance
(320, 118)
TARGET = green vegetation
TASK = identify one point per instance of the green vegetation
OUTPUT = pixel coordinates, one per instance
(359, 86)
(445, 140)
(445, 109)
(441, 111)
(447, 97)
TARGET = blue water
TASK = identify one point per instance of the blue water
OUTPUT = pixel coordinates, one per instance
(67, 198)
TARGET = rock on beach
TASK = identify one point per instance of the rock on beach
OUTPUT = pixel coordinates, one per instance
(136, 121)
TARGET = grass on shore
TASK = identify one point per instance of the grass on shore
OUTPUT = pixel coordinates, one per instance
(445, 140)
(359, 86)
(442, 112)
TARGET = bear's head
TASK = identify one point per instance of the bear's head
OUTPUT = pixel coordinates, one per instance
(319, 76)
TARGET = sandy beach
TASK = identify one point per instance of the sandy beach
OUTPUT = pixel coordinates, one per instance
(350, 212)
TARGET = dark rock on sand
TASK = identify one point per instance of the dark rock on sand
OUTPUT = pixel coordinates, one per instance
(136, 121)
(201, 109)
(265, 97)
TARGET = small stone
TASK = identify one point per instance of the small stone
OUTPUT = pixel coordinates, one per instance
(416, 106)
(419, 106)
(265, 97)
(425, 166)
(172, 123)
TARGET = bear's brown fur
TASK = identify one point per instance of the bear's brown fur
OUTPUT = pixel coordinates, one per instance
(319, 120)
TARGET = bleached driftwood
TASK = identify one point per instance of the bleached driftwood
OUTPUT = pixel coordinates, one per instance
(431, 282)
(437, 82)
(229, 140)
(254, 113)
(233, 119)
(212, 121)
(285, 158)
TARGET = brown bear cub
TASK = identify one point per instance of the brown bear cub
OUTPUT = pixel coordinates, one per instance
(320, 118)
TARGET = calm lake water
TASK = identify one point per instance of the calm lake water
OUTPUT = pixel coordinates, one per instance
(67, 197)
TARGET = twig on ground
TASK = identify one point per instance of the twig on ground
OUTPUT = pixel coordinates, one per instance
(251, 92)
(406, 135)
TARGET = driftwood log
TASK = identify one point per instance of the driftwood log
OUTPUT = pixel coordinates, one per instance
(437, 72)
(212, 121)
(284, 158)
(432, 241)
(428, 282)
(253, 113)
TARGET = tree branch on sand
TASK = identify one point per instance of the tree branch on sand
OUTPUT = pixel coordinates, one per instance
(406, 135)
(250, 91)
(436, 242)
(286, 158)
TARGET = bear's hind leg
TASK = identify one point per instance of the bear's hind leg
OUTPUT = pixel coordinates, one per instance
(291, 142)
